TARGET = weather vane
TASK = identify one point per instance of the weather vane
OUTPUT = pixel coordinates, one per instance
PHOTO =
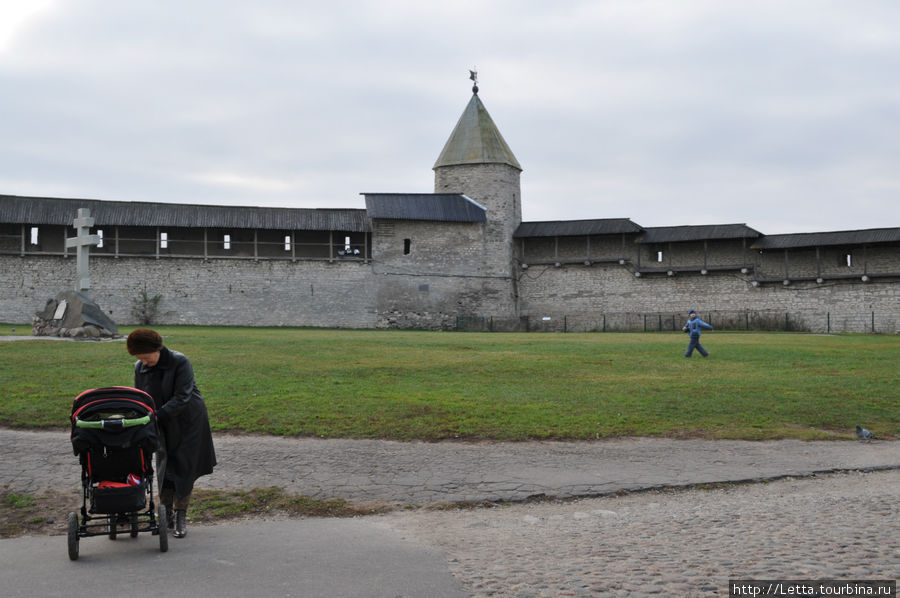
(473, 75)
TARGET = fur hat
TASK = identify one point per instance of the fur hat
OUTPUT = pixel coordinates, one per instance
(144, 340)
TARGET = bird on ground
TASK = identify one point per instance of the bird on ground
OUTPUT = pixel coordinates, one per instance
(864, 434)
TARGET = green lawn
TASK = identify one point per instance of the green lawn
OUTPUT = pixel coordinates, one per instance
(504, 386)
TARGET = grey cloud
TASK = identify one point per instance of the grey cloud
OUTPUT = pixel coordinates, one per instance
(775, 114)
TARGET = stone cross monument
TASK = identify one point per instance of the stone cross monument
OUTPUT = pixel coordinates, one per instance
(82, 242)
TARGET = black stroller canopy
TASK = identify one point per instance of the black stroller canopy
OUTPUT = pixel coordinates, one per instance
(117, 416)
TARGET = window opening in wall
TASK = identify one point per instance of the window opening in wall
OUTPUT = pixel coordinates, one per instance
(347, 244)
(407, 243)
(164, 240)
(100, 234)
(34, 235)
(287, 242)
(848, 258)
(226, 242)
(659, 256)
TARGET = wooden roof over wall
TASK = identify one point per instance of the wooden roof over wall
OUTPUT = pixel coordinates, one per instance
(15, 209)
(440, 207)
(674, 234)
(577, 228)
(45, 210)
(843, 237)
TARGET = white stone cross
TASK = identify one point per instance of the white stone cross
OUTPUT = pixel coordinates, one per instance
(82, 242)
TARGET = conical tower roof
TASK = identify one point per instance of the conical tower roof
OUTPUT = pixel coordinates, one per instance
(476, 140)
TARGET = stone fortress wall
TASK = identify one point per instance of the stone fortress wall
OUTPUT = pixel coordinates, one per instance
(442, 278)
(430, 268)
(820, 289)
(215, 292)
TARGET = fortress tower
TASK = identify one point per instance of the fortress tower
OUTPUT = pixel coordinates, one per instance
(477, 162)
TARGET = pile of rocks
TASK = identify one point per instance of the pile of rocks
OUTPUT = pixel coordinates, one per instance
(72, 314)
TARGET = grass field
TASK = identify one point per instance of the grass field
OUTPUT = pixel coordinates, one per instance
(503, 386)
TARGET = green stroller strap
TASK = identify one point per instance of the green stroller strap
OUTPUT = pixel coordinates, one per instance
(112, 424)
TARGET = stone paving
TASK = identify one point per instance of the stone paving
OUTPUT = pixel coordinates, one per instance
(826, 509)
(664, 543)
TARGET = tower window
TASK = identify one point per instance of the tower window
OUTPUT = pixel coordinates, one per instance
(407, 243)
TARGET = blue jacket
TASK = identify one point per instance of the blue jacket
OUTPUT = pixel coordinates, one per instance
(694, 326)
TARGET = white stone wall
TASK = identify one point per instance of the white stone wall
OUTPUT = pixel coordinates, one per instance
(442, 278)
(578, 290)
(193, 291)
(497, 188)
(447, 272)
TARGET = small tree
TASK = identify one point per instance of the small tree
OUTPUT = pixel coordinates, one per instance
(144, 308)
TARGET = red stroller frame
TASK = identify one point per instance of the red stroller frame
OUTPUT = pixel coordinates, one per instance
(114, 435)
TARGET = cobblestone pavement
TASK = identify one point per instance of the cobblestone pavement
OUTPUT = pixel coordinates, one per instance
(665, 543)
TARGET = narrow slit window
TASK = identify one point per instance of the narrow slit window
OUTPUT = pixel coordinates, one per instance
(226, 242)
(34, 235)
(100, 234)
(659, 256)
(848, 259)
(164, 240)
(287, 242)
(407, 244)
(347, 244)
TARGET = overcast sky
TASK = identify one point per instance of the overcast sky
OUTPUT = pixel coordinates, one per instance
(783, 114)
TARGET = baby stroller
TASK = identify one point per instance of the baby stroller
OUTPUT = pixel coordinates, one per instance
(114, 436)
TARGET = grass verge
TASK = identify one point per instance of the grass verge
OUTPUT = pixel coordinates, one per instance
(432, 386)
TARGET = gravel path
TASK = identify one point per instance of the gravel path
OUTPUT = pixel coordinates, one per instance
(419, 473)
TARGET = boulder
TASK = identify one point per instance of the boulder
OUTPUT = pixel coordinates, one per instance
(73, 314)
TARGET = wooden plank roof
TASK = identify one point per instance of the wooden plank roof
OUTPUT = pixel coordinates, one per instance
(576, 228)
(476, 140)
(447, 207)
(842, 237)
(674, 234)
(441, 207)
(49, 210)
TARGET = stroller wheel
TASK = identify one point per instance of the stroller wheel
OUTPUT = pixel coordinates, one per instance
(134, 525)
(111, 526)
(73, 536)
(163, 530)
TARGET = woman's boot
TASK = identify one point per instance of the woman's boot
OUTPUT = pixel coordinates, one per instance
(167, 498)
(180, 524)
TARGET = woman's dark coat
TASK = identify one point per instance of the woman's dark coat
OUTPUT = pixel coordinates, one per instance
(183, 418)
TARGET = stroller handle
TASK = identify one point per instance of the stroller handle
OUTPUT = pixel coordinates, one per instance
(112, 424)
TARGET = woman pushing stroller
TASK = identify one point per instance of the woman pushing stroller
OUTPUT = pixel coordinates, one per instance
(186, 449)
